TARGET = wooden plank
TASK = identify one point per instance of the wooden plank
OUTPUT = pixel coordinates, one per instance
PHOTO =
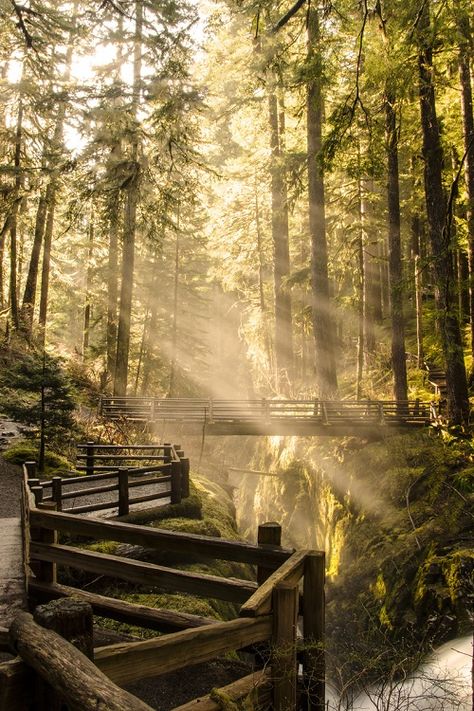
(121, 447)
(290, 572)
(231, 589)
(150, 497)
(125, 457)
(126, 663)
(160, 539)
(93, 507)
(148, 617)
(145, 481)
(75, 677)
(82, 478)
(88, 492)
(283, 652)
(256, 687)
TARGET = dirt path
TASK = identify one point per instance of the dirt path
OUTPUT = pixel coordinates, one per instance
(12, 578)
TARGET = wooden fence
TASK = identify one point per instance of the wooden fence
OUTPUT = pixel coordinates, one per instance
(319, 412)
(161, 465)
(290, 585)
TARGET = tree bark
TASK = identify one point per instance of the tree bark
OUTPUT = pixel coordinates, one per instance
(468, 135)
(281, 250)
(14, 218)
(129, 227)
(174, 319)
(360, 291)
(88, 305)
(439, 231)
(416, 256)
(29, 294)
(323, 318)
(395, 254)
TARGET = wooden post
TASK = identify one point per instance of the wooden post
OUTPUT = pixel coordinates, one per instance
(33, 482)
(37, 492)
(176, 482)
(90, 458)
(43, 570)
(185, 468)
(57, 485)
(30, 469)
(72, 619)
(167, 452)
(123, 500)
(269, 534)
(313, 630)
(283, 654)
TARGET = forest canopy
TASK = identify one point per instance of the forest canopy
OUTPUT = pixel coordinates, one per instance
(240, 198)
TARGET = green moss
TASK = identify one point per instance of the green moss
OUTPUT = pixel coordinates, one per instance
(27, 451)
(224, 700)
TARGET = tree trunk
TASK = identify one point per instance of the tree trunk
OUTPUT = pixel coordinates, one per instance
(468, 134)
(56, 146)
(112, 294)
(88, 305)
(360, 292)
(439, 231)
(29, 295)
(281, 262)
(14, 218)
(45, 269)
(416, 256)
(267, 341)
(323, 317)
(399, 363)
(174, 320)
(129, 226)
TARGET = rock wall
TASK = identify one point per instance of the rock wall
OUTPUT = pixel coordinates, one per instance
(395, 518)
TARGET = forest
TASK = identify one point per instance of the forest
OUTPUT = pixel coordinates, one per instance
(255, 201)
(280, 191)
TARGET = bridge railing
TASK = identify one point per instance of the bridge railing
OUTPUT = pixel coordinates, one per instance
(164, 474)
(291, 584)
(265, 410)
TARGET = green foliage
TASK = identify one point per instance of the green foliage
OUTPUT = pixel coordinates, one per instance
(37, 393)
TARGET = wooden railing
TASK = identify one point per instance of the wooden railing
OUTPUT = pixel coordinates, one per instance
(268, 613)
(323, 412)
(126, 481)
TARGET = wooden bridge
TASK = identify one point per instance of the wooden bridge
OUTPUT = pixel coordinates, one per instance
(272, 417)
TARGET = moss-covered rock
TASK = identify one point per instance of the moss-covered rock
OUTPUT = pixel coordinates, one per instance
(395, 519)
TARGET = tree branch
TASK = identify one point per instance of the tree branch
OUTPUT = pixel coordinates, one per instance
(287, 17)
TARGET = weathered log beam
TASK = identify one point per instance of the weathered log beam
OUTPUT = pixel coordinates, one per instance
(130, 613)
(257, 686)
(169, 579)
(71, 673)
(290, 572)
(126, 663)
(160, 539)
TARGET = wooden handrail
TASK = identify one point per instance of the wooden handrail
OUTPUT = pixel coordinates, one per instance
(131, 613)
(169, 579)
(261, 601)
(126, 663)
(160, 539)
